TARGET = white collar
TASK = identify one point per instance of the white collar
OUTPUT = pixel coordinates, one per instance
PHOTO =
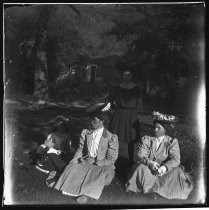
(55, 151)
(99, 130)
(160, 138)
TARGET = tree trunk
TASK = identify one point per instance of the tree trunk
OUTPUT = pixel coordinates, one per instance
(41, 93)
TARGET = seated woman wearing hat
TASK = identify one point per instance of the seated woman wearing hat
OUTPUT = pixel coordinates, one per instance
(158, 168)
(92, 167)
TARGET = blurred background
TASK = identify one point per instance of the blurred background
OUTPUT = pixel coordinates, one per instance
(74, 53)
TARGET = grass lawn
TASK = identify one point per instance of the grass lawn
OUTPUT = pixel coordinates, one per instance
(24, 129)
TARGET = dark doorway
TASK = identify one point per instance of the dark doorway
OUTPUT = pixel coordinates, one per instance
(93, 73)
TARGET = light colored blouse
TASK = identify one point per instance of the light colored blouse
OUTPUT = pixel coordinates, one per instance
(159, 141)
(96, 136)
(167, 154)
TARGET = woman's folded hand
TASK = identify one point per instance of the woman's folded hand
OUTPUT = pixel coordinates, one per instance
(153, 165)
(161, 171)
(87, 160)
(99, 163)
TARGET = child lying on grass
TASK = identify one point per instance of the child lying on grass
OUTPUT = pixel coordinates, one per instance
(50, 157)
(61, 125)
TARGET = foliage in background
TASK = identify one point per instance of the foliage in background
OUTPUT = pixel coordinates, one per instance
(161, 43)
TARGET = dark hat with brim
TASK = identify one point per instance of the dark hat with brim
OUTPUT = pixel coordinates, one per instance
(95, 107)
(59, 120)
(97, 110)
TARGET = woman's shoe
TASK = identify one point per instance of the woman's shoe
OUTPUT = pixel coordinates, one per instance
(82, 199)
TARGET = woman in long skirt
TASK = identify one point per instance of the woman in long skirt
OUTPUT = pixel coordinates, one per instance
(92, 167)
(125, 122)
(158, 169)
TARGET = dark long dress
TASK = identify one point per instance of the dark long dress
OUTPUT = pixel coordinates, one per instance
(125, 122)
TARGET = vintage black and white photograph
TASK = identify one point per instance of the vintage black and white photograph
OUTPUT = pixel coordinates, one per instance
(104, 104)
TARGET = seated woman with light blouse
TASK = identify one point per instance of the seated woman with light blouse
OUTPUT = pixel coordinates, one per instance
(92, 167)
(158, 168)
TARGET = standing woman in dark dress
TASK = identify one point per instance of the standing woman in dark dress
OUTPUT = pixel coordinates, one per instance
(125, 123)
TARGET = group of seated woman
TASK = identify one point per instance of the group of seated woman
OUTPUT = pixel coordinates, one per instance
(156, 170)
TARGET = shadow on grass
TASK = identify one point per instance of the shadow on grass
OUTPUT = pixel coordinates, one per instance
(122, 167)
